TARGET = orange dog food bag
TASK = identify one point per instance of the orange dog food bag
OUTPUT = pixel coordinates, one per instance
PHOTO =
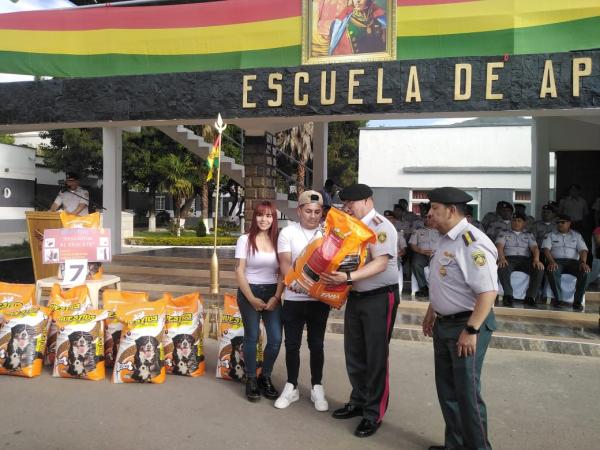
(23, 340)
(80, 345)
(141, 356)
(343, 248)
(16, 295)
(184, 334)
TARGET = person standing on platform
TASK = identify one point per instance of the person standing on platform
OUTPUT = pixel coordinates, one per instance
(423, 243)
(518, 251)
(370, 314)
(259, 297)
(462, 288)
(299, 309)
(546, 225)
(566, 252)
(74, 199)
(574, 206)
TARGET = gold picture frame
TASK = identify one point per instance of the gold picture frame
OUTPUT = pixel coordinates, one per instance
(336, 31)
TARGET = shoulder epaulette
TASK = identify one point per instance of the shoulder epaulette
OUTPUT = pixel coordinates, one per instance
(377, 220)
(469, 238)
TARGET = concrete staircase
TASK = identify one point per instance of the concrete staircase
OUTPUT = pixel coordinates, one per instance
(184, 270)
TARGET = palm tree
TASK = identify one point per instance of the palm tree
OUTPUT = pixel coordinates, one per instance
(299, 140)
(178, 173)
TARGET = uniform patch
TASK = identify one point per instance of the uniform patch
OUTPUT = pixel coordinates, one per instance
(382, 236)
(443, 271)
(377, 220)
(468, 238)
(478, 258)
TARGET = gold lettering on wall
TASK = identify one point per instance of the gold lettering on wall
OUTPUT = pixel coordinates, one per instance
(548, 81)
(413, 91)
(381, 100)
(300, 100)
(459, 70)
(352, 84)
(582, 67)
(246, 88)
(328, 100)
(490, 78)
(277, 101)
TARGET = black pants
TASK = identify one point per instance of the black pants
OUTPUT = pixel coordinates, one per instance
(418, 264)
(570, 266)
(520, 264)
(296, 314)
(368, 325)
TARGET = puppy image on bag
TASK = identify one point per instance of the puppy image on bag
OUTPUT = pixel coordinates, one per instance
(23, 335)
(183, 338)
(236, 358)
(80, 345)
(141, 355)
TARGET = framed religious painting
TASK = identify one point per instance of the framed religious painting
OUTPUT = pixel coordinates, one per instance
(348, 30)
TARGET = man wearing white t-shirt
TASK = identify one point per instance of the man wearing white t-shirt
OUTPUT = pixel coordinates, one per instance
(300, 309)
(73, 200)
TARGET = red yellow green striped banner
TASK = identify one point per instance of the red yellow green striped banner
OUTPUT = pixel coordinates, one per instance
(237, 34)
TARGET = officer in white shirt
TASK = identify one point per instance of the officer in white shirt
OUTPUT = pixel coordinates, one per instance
(566, 252)
(74, 200)
(462, 288)
(370, 314)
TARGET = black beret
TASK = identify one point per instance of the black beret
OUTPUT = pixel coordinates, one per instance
(504, 205)
(356, 192)
(563, 217)
(548, 207)
(73, 175)
(449, 195)
(519, 215)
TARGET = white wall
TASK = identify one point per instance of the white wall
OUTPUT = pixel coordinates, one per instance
(17, 162)
(384, 153)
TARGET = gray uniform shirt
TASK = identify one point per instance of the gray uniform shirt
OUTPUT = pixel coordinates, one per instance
(462, 267)
(516, 244)
(386, 244)
(564, 246)
(541, 229)
(425, 238)
(497, 227)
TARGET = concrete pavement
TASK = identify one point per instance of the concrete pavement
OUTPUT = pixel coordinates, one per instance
(535, 401)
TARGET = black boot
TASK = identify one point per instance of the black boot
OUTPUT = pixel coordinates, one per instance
(267, 388)
(252, 391)
(577, 307)
(507, 300)
(529, 303)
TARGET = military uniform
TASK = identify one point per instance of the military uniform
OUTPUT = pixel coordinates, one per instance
(463, 266)
(425, 239)
(488, 219)
(540, 230)
(369, 318)
(495, 228)
(517, 251)
(565, 249)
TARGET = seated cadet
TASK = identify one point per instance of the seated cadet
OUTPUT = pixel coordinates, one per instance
(402, 224)
(518, 251)
(423, 243)
(469, 216)
(566, 252)
(541, 228)
(492, 216)
(521, 208)
(503, 224)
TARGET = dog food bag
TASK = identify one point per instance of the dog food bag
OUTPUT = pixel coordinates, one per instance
(343, 248)
(95, 269)
(80, 345)
(23, 340)
(183, 338)
(141, 357)
(75, 300)
(16, 295)
(111, 298)
(230, 364)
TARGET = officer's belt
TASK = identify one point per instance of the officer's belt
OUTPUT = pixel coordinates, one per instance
(381, 290)
(450, 317)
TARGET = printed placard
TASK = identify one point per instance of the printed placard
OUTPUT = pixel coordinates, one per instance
(64, 244)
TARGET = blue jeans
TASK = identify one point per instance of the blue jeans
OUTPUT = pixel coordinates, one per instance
(251, 319)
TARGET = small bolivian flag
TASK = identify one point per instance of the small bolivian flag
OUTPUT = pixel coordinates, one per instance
(213, 157)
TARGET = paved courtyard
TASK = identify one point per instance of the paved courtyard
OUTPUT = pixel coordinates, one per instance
(536, 401)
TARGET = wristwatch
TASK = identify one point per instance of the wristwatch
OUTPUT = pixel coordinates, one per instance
(348, 279)
(471, 329)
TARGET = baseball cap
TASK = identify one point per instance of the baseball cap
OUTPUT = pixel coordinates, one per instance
(310, 197)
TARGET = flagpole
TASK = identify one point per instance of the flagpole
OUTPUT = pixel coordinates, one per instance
(214, 263)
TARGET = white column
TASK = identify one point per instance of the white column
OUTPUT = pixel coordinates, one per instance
(540, 164)
(320, 138)
(112, 169)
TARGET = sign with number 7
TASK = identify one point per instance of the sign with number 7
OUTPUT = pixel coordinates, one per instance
(75, 272)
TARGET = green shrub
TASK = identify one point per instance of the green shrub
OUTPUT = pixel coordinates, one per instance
(173, 226)
(15, 251)
(179, 241)
(201, 228)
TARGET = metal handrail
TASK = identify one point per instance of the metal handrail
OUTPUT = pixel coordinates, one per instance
(279, 151)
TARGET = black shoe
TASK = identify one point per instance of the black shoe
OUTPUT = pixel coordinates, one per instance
(422, 292)
(577, 307)
(347, 412)
(557, 305)
(508, 301)
(529, 303)
(267, 389)
(252, 391)
(366, 428)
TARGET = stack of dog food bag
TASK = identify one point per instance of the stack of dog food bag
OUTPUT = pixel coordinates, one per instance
(23, 331)
(342, 248)
(230, 363)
